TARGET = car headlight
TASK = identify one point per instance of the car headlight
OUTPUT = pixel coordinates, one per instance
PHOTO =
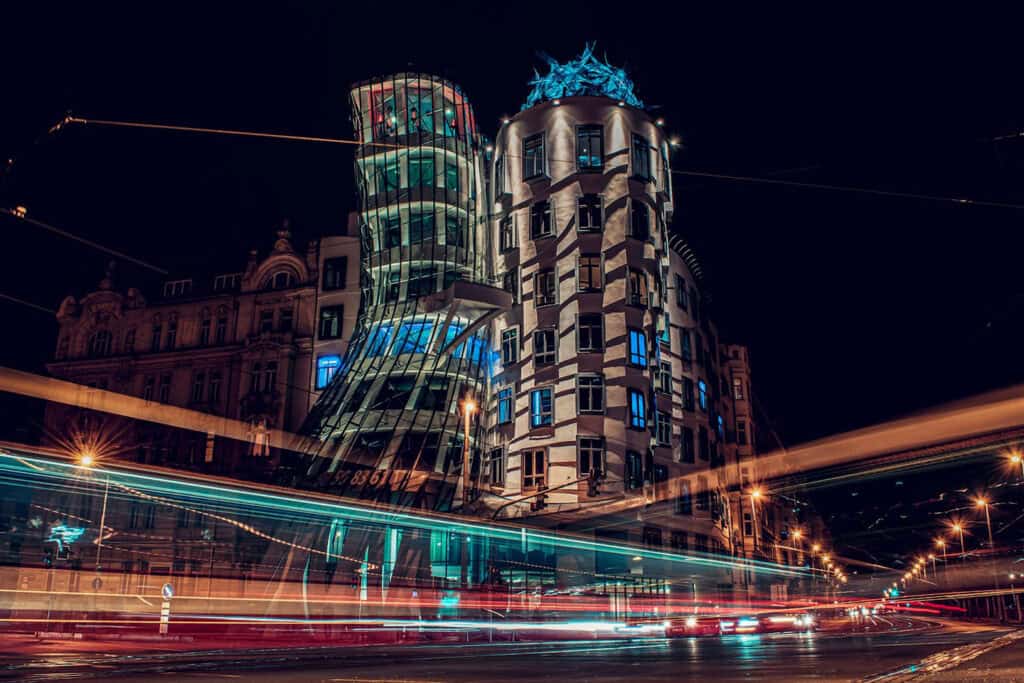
(691, 622)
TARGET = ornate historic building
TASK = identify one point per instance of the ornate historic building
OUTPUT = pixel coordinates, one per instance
(256, 344)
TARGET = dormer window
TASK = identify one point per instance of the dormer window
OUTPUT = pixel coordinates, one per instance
(174, 288)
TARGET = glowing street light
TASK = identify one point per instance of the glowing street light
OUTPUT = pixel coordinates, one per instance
(86, 459)
(1017, 459)
(755, 495)
(959, 528)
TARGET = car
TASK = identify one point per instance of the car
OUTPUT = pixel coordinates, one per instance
(778, 623)
(693, 626)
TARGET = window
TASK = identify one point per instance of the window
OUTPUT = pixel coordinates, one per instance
(684, 504)
(637, 295)
(703, 494)
(702, 392)
(496, 466)
(204, 330)
(331, 322)
(420, 110)
(499, 176)
(507, 233)
(737, 388)
(285, 319)
(634, 478)
(720, 427)
(641, 157)
(213, 389)
(226, 282)
(270, 376)
(421, 226)
(164, 394)
(154, 340)
(686, 344)
(590, 455)
(385, 176)
(422, 281)
(335, 273)
(506, 408)
(590, 393)
(434, 394)
(392, 231)
(198, 384)
(100, 343)
(701, 543)
(129, 342)
(413, 338)
(664, 435)
(665, 377)
(421, 170)
(681, 292)
(639, 220)
(688, 450)
(637, 409)
(589, 277)
(535, 468)
(688, 402)
(541, 407)
(704, 443)
(748, 525)
(590, 213)
(637, 348)
(451, 175)
(544, 352)
(394, 280)
(652, 536)
(589, 148)
(741, 432)
(678, 539)
(222, 330)
(533, 157)
(590, 332)
(540, 219)
(359, 394)
(395, 392)
(281, 280)
(147, 389)
(172, 334)
(510, 346)
(545, 288)
(177, 288)
(510, 283)
(326, 366)
(665, 333)
(266, 321)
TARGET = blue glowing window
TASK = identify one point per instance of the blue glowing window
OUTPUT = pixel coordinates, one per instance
(326, 366)
(702, 394)
(380, 339)
(637, 348)
(505, 407)
(541, 407)
(413, 338)
(637, 409)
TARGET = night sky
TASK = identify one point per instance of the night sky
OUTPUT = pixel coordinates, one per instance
(857, 308)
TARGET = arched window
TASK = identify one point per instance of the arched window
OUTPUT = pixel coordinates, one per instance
(282, 279)
(100, 343)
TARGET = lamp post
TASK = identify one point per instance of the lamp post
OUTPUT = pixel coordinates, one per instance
(983, 503)
(88, 461)
(797, 536)
(755, 495)
(935, 572)
(468, 408)
(959, 528)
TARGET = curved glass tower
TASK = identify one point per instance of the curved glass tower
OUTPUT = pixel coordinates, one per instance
(391, 426)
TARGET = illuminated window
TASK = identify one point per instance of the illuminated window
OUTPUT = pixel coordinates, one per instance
(702, 394)
(331, 322)
(544, 351)
(542, 408)
(533, 157)
(639, 220)
(420, 110)
(545, 288)
(380, 339)
(540, 219)
(590, 213)
(590, 332)
(589, 277)
(421, 170)
(535, 468)
(637, 409)
(385, 176)
(590, 393)
(589, 148)
(641, 157)
(326, 366)
(505, 405)
(637, 348)
(737, 388)
(413, 338)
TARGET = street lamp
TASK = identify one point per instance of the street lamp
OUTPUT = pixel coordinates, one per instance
(982, 502)
(1017, 459)
(468, 408)
(959, 528)
(755, 495)
(87, 459)
(797, 536)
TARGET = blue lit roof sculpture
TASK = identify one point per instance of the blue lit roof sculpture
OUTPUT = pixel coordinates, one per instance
(585, 75)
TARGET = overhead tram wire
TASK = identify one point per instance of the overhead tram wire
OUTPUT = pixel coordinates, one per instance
(16, 300)
(69, 119)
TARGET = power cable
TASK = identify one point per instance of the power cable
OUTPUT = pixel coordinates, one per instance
(16, 300)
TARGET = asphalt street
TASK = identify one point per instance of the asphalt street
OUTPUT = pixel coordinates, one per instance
(776, 657)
